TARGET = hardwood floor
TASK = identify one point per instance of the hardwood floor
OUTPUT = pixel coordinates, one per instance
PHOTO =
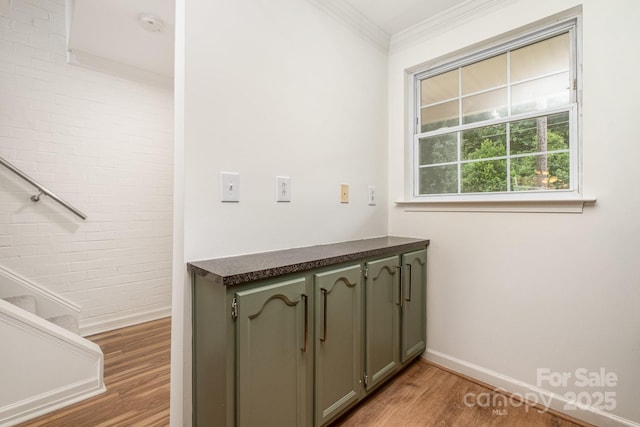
(425, 395)
(137, 378)
(136, 373)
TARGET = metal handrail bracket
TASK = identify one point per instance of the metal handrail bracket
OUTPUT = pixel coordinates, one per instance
(41, 189)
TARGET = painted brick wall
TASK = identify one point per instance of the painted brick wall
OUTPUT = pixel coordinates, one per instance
(100, 142)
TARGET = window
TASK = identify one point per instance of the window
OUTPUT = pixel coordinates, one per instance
(500, 122)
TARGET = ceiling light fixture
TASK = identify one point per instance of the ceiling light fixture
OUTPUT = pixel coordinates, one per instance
(151, 23)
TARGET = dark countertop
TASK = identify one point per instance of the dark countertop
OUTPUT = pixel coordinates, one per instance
(236, 270)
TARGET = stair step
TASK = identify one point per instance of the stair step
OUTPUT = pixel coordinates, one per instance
(25, 302)
(66, 321)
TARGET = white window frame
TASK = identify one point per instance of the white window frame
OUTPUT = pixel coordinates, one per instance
(556, 200)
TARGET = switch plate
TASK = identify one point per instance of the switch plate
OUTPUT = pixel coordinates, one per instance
(372, 195)
(229, 187)
(344, 193)
(283, 189)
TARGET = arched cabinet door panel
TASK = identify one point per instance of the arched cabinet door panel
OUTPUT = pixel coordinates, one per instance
(414, 309)
(273, 354)
(338, 341)
(382, 308)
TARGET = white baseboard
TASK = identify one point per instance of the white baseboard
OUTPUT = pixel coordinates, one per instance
(47, 402)
(534, 394)
(104, 325)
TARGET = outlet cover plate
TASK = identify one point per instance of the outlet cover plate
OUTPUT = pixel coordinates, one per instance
(283, 189)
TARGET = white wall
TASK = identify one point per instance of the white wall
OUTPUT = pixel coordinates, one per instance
(280, 89)
(513, 292)
(102, 143)
(276, 88)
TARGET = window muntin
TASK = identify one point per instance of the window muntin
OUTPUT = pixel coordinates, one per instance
(500, 123)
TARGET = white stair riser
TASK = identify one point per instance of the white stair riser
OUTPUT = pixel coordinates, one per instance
(28, 303)
(25, 302)
(66, 321)
(48, 303)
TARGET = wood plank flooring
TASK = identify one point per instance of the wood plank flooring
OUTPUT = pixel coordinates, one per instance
(425, 395)
(136, 373)
(137, 378)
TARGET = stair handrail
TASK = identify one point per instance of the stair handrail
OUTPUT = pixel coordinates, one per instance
(42, 190)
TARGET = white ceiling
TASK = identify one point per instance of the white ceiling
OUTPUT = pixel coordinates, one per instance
(109, 30)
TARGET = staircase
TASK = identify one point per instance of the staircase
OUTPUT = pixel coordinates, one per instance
(28, 303)
(44, 363)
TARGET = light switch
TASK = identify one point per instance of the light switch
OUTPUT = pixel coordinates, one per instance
(229, 187)
(344, 193)
(372, 195)
(283, 189)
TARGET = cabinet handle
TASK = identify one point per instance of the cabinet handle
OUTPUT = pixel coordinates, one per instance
(305, 298)
(399, 267)
(409, 298)
(324, 314)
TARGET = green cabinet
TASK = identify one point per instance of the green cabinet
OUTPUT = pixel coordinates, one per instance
(338, 338)
(413, 304)
(298, 347)
(382, 310)
(273, 355)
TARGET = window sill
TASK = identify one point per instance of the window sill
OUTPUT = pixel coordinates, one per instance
(569, 205)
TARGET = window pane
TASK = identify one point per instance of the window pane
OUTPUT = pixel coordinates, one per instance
(484, 75)
(489, 105)
(538, 59)
(439, 180)
(439, 88)
(540, 172)
(484, 142)
(483, 177)
(472, 135)
(439, 149)
(439, 116)
(547, 133)
(539, 94)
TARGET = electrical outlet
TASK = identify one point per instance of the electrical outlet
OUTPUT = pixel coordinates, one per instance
(283, 189)
(372, 195)
(229, 187)
(344, 193)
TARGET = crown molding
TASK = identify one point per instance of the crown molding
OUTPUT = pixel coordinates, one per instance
(350, 16)
(452, 17)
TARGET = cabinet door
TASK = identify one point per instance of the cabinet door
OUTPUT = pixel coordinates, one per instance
(273, 358)
(338, 337)
(414, 312)
(382, 310)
